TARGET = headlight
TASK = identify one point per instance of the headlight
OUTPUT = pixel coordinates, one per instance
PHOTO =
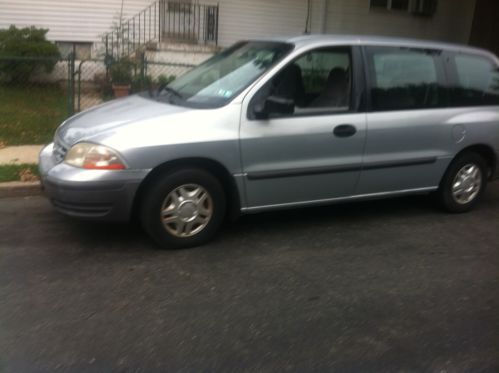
(94, 157)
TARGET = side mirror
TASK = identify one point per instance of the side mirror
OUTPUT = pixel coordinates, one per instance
(274, 105)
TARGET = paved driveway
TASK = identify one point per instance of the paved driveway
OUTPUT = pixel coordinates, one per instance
(377, 286)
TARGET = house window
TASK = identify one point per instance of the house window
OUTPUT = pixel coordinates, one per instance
(82, 50)
(379, 4)
(398, 5)
(180, 6)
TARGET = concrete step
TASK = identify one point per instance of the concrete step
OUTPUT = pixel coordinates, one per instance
(176, 46)
(177, 57)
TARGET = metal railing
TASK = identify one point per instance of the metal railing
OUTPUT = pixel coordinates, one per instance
(92, 81)
(137, 31)
(164, 20)
(189, 22)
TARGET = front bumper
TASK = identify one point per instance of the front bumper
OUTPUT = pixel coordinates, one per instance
(89, 194)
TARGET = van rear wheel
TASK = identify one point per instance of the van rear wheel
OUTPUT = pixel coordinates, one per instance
(463, 183)
(183, 208)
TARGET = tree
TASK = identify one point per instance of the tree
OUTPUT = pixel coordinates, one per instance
(25, 50)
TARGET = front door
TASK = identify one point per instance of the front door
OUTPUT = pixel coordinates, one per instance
(313, 152)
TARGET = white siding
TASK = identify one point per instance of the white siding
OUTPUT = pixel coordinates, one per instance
(452, 22)
(87, 20)
(256, 18)
(242, 19)
(68, 20)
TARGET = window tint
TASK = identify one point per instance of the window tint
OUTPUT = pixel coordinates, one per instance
(317, 81)
(477, 81)
(403, 79)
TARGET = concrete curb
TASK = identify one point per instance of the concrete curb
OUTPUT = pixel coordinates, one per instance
(20, 189)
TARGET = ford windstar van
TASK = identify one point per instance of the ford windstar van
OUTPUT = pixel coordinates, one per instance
(279, 123)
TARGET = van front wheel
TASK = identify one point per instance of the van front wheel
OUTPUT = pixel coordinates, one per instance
(183, 208)
(463, 183)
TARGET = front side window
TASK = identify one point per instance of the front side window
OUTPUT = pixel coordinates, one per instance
(317, 81)
(477, 81)
(326, 76)
(218, 80)
(403, 79)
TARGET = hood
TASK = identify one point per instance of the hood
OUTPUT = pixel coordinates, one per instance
(112, 115)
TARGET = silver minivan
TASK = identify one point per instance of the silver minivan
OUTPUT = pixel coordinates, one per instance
(281, 123)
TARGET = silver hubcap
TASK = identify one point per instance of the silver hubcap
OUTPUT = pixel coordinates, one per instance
(467, 184)
(187, 210)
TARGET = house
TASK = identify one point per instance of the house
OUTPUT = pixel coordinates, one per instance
(85, 24)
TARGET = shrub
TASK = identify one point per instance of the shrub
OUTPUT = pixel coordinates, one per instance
(141, 83)
(33, 49)
(121, 72)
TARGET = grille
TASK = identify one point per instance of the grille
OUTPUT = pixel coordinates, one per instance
(59, 151)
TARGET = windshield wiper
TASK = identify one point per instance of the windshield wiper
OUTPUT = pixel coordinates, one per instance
(170, 90)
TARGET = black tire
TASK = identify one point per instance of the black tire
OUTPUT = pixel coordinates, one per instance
(155, 195)
(445, 195)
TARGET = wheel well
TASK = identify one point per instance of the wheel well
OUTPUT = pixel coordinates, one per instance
(214, 167)
(486, 152)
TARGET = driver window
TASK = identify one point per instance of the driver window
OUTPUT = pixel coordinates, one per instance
(317, 81)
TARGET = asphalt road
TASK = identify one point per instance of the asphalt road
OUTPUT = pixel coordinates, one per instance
(379, 286)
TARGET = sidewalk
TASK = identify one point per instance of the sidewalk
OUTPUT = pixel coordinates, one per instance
(20, 154)
(15, 155)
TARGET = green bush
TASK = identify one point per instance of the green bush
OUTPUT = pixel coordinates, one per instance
(121, 72)
(33, 50)
(141, 83)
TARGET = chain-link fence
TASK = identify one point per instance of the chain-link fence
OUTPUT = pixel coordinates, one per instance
(33, 98)
(36, 94)
(96, 81)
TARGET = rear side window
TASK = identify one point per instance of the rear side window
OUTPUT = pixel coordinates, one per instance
(477, 81)
(404, 79)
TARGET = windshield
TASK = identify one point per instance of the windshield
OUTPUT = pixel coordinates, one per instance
(218, 80)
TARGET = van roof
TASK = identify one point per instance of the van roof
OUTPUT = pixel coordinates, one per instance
(305, 40)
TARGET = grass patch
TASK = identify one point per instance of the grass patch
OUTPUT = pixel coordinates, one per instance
(30, 114)
(18, 172)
